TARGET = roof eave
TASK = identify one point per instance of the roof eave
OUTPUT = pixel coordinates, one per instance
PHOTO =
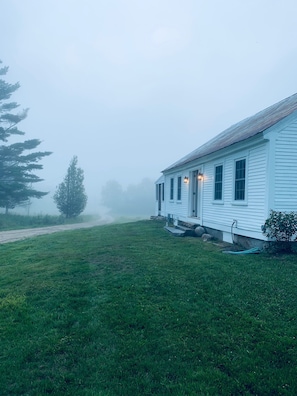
(219, 152)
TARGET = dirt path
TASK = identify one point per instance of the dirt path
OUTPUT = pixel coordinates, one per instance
(17, 235)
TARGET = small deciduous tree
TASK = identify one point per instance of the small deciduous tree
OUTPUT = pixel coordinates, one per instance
(70, 196)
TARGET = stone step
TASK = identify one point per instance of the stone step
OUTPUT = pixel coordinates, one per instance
(175, 231)
(188, 231)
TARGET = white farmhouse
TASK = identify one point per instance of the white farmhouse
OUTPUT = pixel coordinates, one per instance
(230, 184)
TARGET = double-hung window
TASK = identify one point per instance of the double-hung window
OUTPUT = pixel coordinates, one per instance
(240, 180)
(172, 189)
(179, 187)
(218, 183)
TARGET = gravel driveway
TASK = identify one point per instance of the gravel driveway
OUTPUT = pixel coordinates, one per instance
(17, 235)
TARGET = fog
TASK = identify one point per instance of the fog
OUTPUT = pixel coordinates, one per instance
(131, 86)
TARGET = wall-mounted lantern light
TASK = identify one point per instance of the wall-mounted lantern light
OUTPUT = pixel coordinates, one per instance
(200, 176)
(186, 179)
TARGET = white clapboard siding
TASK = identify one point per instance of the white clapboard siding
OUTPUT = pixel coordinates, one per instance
(286, 169)
(177, 208)
(223, 214)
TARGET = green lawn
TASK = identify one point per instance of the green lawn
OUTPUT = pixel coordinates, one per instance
(131, 310)
(16, 221)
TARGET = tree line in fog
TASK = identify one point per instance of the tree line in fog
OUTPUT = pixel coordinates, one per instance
(135, 200)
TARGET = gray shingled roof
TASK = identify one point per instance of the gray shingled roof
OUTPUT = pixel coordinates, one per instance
(243, 130)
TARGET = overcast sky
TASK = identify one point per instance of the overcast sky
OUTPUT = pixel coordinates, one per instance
(131, 86)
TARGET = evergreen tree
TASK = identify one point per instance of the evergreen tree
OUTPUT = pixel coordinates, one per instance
(17, 161)
(70, 196)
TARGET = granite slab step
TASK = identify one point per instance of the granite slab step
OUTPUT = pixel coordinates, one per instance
(188, 231)
(175, 231)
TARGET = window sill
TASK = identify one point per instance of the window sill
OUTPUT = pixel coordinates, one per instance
(239, 203)
(218, 202)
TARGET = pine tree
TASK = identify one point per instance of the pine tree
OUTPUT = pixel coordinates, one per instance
(70, 196)
(18, 161)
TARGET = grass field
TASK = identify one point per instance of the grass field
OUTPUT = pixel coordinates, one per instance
(131, 310)
(16, 221)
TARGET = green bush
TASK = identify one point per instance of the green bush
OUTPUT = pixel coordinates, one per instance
(281, 229)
